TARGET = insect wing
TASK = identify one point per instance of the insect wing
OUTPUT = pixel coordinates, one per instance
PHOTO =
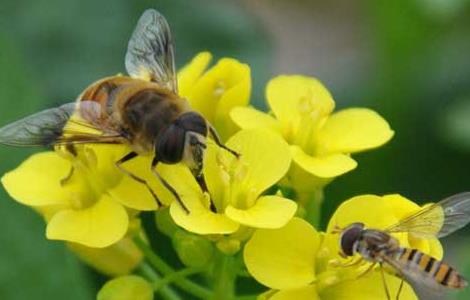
(150, 52)
(39, 129)
(58, 125)
(437, 220)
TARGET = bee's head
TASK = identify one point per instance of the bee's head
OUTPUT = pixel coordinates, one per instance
(349, 236)
(184, 139)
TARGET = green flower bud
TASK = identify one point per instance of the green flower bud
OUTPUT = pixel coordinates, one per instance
(193, 250)
(228, 246)
(130, 287)
(165, 223)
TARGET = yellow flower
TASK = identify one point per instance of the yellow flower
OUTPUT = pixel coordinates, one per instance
(321, 141)
(216, 91)
(235, 186)
(89, 207)
(298, 262)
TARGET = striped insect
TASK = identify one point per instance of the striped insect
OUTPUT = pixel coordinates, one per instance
(417, 268)
(142, 110)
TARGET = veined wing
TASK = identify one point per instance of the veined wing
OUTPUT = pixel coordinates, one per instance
(66, 124)
(437, 220)
(150, 52)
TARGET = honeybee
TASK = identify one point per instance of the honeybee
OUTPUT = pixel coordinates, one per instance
(380, 247)
(142, 110)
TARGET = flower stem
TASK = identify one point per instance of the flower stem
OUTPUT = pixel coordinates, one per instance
(166, 270)
(224, 275)
(312, 203)
(166, 292)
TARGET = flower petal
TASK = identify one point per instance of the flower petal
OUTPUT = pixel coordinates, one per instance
(308, 292)
(201, 219)
(368, 287)
(190, 73)
(266, 156)
(210, 88)
(249, 118)
(29, 185)
(327, 166)
(283, 258)
(98, 226)
(286, 93)
(268, 212)
(353, 130)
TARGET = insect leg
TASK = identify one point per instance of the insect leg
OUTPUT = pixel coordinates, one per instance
(64, 180)
(128, 157)
(400, 289)
(353, 262)
(219, 143)
(366, 271)
(167, 185)
(384, 282)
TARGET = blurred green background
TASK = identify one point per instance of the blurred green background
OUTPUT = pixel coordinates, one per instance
(407, 59)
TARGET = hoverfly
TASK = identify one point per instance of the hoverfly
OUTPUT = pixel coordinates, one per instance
(380, 247)
(142, 110)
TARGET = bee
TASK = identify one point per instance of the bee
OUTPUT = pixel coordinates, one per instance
(142, 110)
(380, 248)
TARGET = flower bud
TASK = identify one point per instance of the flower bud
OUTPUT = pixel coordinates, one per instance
(228, 246)
(193, 250)
(130, 287)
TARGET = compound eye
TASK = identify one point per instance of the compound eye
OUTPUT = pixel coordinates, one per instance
(192, 121)
(349, 237)
(170, 145)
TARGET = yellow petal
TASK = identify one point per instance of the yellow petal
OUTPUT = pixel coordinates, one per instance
(268, 212)
(327, 166)
(209, 90)
(288, 94)
(190, 73)
(249, 118)
(353, 130)
(131, 287)
(359, 208)
(200, 219)
(98, 226)
(308, 292)
(283, 258)
(369, 287)
(133, 194)
(115, 260)
(266, 157)
(30, 185)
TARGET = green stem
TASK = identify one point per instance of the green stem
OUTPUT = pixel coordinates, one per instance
(166, 292)
(312, 202)
(224, 275)
(165, 269)
(176, 276)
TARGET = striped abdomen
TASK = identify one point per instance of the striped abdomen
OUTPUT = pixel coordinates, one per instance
(431, 268)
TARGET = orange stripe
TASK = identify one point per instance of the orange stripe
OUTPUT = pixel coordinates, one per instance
(441, 273)
(423, 262)
(405, 255)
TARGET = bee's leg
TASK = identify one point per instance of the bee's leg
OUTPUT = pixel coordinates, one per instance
(128, 157)
(399, 289)
(384, 282)
(353, 262)
(366, 271)
(167, 185)
(64, 180)
(219, 143)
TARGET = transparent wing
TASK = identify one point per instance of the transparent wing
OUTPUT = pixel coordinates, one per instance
(417, 277)
(59, 126)
(150, 52)
(437, 220)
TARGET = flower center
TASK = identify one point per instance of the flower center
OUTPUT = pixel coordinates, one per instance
(236, 192)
